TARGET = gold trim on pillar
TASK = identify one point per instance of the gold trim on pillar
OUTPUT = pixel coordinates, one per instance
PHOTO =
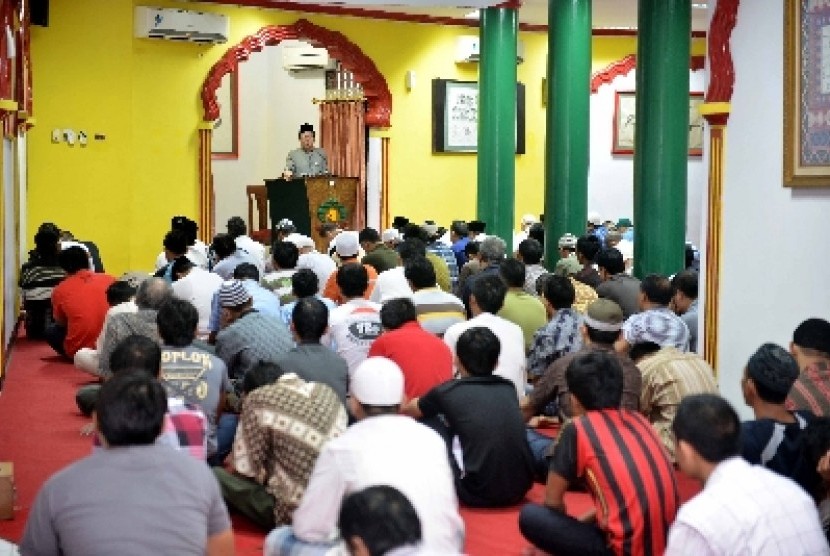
(716, 114)
(385, 219)
(205, 183)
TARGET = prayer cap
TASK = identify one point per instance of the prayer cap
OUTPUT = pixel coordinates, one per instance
(378, 381)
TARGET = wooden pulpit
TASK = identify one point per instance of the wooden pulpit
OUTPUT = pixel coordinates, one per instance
(310, 202)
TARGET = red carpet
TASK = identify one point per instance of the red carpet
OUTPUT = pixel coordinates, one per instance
(39, 432)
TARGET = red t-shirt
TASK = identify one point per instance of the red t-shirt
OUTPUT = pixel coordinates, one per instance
(425, 360)
(80, 302)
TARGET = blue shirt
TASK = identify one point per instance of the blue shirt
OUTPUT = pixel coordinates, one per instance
(458, 250)
(264, 301)
(288, 309)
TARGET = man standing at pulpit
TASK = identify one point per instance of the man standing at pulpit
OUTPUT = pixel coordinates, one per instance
(308, 160)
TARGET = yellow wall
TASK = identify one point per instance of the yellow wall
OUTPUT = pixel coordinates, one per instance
(91, 74)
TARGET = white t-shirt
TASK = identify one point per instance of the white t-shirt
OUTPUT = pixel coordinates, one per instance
(391, 284)
(322, 265)
(198, 287)
(353, 327)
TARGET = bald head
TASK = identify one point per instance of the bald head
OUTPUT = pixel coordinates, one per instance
(153, 293)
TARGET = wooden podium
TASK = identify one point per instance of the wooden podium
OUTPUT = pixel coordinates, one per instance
(309, 202)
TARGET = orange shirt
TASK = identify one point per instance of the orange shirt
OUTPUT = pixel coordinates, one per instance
(332, 290)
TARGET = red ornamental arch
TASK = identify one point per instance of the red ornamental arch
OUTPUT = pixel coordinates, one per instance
(375, 88)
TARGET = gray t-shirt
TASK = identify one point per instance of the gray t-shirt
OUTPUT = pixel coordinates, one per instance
(130, 501)
(307, 163)
(317, 363)
(198, 378)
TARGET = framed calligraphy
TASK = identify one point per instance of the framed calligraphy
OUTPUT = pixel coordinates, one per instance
(622, 141)
(806, 93)
(455, 116)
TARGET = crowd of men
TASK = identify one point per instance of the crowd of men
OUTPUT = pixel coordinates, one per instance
(351, 397)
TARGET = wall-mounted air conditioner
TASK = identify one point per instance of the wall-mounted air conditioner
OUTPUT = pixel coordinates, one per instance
(304, 57)
(180, 25)
(468, 50)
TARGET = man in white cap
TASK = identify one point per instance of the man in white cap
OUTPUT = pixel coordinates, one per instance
(595, 227)
(527, 221)
(383, 448)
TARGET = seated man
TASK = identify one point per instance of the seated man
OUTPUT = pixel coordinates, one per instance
(392, 283)
(379, 520)
(656, 322)
(304, 284)
(378, 255)
(285, 255)
(484, 432)
(264, 300)
(742, 508)
(560, 335)
(617, 455)
(94, 506)
(229, 256)
(530, 252)
(669, 375)
(354, 324)
(238, 230)
(616, 285)
(188, 373)
(278, 410)
(347, 247)
(811, 349)
(437, 310)
(38, 278)
(79, 304)
(587, 248)
(520, 307)
(486, 299)
(382, 448)
(774, 439)
(120, 299)
(684, 302)
(309, 359)
(197, 286)
(425, 360)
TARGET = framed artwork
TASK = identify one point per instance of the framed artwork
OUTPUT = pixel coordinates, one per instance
(806, 94)
(625, 120)
(225, 139)
(455, 116)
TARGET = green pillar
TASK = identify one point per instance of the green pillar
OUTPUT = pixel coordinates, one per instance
(496, 121)
(661, 136)
(568, 121)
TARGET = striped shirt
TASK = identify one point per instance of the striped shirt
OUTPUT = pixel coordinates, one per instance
(437, 310)
(618, 455)
(669, 376)
(811, 391)
(445, 252)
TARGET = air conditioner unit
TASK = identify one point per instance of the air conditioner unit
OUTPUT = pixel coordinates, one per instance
(468, 50)
(298, 58)
(180, 25)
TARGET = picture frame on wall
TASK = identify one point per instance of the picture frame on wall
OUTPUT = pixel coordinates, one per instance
(225, 137)
(806, 92)
(625, 102)
(455, 116)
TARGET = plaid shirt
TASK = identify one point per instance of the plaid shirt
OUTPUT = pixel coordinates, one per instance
(449, 257)
(557, 338)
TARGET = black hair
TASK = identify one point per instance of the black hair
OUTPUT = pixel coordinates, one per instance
(175, 241)
(531, 251)
(460, 229)
(420, 272)
(236, 227)
(397, 312)
(813, 334)
(263, 374)
(560, 292)
(537, 232)
(414, 231)
(352, 279)
(657, 289)
(223, 245)
(588, 246)
(72, 259)
(368, 234)
(119, 292)
(596, 380)
(601, 336)
(817, 439)
(611, 260)
(512, 271)
(489, 291)
(304, 283)
(686, 282)
(130, 409)
(411, 248)
(136, 352)
(46, 242)
(688, 256)
(641, 349)
(472, 248)
(709, 425)
(285, 254)
(246, 271)
(773, 371)
(382, 517)
(310, 317)
(478, 350)
(177, 320)
(542, 282)
(181, 264)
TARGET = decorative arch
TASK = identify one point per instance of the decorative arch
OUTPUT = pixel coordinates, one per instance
(624, 65)
(375, 88)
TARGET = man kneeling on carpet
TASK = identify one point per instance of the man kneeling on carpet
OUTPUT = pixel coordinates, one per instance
(479, 418)
(284, 423)
(132, 497)
(620, 459)
(382, 448)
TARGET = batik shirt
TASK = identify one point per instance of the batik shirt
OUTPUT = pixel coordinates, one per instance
(660, 326)
(557, 338)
